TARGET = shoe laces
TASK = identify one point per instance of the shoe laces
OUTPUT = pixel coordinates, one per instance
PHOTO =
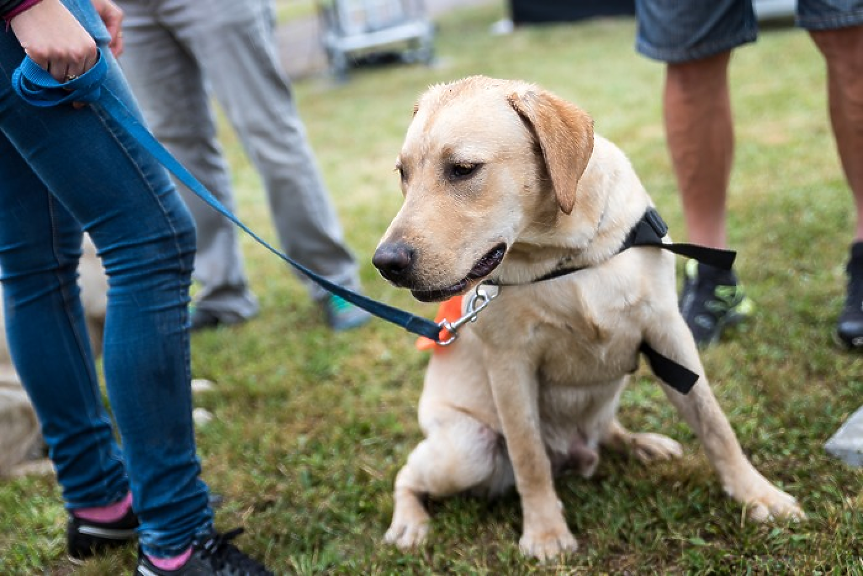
(715, 297)
(219, 551)
(725, 298)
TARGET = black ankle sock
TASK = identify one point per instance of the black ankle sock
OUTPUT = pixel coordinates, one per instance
(854, 268)
(717, 275)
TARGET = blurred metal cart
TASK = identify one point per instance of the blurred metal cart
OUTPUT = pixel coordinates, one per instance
(353, 29)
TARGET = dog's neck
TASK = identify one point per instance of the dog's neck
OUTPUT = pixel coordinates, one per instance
(526, 262)
(529, 262)
(534, 257)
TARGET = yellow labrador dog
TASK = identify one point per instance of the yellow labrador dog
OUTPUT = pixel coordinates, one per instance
(507, 183)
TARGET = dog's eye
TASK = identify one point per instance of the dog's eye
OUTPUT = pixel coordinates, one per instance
(462, 169)
(401, 172)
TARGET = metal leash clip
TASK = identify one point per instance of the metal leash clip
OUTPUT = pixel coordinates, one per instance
(477, 302)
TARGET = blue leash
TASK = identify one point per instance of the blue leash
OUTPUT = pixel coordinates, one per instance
(37, 87)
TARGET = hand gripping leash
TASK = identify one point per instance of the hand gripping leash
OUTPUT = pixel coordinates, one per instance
(37, 87)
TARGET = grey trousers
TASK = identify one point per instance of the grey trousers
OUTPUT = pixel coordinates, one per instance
(178, 53)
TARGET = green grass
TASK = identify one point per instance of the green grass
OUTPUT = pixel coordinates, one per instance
(311, 427)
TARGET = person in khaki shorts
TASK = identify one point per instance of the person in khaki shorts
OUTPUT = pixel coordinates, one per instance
(178, 52)
(695, 40)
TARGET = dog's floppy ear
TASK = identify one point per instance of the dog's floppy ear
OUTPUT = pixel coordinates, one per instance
(565, 134)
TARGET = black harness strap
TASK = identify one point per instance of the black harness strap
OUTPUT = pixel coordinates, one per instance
(675, 375)
(649, 231)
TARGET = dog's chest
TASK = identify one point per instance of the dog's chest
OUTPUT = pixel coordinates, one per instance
(566, 355)
(571, 336)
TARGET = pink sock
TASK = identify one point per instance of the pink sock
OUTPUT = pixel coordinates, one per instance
(171, 563)
(109, 513)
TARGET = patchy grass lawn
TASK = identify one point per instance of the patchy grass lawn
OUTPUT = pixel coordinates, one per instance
(311, 427)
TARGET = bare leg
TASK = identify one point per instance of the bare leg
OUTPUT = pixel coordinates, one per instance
(700, 135)
(843, 51)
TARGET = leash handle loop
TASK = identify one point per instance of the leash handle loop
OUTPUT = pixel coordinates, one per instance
(39, 88)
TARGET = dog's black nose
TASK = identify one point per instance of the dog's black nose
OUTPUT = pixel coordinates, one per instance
(394, 260)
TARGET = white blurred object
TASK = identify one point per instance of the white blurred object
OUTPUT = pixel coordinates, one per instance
(847, 443)
(202, 385)
(502, 27)
(201, 417)
(767, 9)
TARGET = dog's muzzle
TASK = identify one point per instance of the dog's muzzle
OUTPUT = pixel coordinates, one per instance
(395, 261)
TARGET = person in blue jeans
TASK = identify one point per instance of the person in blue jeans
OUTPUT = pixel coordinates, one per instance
(69, 169)
(695, 40)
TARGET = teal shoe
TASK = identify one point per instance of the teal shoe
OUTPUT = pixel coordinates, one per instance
(342, 315)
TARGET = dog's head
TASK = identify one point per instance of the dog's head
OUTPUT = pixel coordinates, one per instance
(485, 163)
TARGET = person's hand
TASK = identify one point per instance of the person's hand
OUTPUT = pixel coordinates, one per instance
(112, 16)
(55, 40)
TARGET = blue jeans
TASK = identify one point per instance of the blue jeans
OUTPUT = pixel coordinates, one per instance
(677, 31)
(63, 171)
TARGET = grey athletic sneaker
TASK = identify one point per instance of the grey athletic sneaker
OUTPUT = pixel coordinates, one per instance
(342, 315)
(213, 555)
(711, 301)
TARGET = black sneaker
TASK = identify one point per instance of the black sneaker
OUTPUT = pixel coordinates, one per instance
(86, 538)
(711, 301)
(849, 329)
(212, 555)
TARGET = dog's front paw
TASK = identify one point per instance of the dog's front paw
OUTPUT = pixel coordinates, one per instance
(774, 504)
(763, 500)
(407, 534)
(547, 544)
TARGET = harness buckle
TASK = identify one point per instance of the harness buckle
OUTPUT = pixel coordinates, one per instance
(652, 217)
(477, 302)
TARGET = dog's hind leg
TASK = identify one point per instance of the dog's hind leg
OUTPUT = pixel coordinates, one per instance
(459, 454)
(645, 446)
